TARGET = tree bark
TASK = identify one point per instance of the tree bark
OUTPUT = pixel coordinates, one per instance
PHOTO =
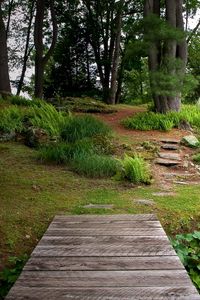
(4, 73)
(116, 55)
(27, 49)
(166, 54)
(40, 60)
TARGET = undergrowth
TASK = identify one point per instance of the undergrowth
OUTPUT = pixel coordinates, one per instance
(165, 122)
(188, 250)
(9, 275)
(11, 119)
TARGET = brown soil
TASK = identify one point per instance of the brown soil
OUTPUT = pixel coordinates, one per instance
(114, 120)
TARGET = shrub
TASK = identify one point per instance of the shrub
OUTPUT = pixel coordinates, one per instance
(48, 118)
(11, 119)
(81, 127)
(134, 169)
(187, 248)
(94, 165)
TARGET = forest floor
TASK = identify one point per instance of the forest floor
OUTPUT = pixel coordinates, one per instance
(32, 193)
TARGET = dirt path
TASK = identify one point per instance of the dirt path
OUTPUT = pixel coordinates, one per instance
(136, 137)
(114, 120)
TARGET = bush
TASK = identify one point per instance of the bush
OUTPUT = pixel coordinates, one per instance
(95, 165)
(187, 248)
(134, 169)
(48, 118)
(81, 127)
(11, 119)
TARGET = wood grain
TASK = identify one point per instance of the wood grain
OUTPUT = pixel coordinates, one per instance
(116, 257)
(103, 293)
(46, 263)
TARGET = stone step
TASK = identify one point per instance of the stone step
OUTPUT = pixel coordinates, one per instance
(99, 206)
(169, 155)
(167, 162)
(170, 146)
(170, 141)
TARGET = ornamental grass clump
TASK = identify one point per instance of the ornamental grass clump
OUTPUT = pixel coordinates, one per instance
(79, 127)
(134, 169)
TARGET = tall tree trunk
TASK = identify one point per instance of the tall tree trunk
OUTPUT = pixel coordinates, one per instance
(27, 49)
(10, 8)
(4, 74)
(116, 55)
(40, 60)
(170, 51)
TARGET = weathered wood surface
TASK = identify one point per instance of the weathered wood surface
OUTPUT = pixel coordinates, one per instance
(104, 257)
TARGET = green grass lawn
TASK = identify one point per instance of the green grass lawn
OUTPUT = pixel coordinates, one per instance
(33, 193)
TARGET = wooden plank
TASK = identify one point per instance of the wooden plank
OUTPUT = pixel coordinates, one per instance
(111, 225)
(105, 218)
(104, 278)
(104, 257)
(103, 240)
(57, 263)
(105, 250)
(102, 293)
(110, 231)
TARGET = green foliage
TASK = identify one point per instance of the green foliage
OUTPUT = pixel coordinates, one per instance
(83, 104)
(18, 100)
(11, 119)
(81, 127)
(187, 248)
(45, 116)
(134, 169)
(95, 165)
(165, 122)
(8, 276)
(196, 158)
(149, 121)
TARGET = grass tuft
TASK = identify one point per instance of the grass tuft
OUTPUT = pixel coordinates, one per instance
(134, 169)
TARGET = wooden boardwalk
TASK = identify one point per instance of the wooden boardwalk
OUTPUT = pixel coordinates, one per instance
(105, 258)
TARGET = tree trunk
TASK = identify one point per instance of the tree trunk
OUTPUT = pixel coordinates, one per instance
(165, 55)
(4, 74)
(116, 56)
(27, 50)
(40, 60)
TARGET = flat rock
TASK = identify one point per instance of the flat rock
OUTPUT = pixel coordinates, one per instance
(170, 146)
(168, 155)
(167, 162)
(148, 202)
(164, 194)
(170, 141)
(105, 206)
(190, 141)
(181, 182)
